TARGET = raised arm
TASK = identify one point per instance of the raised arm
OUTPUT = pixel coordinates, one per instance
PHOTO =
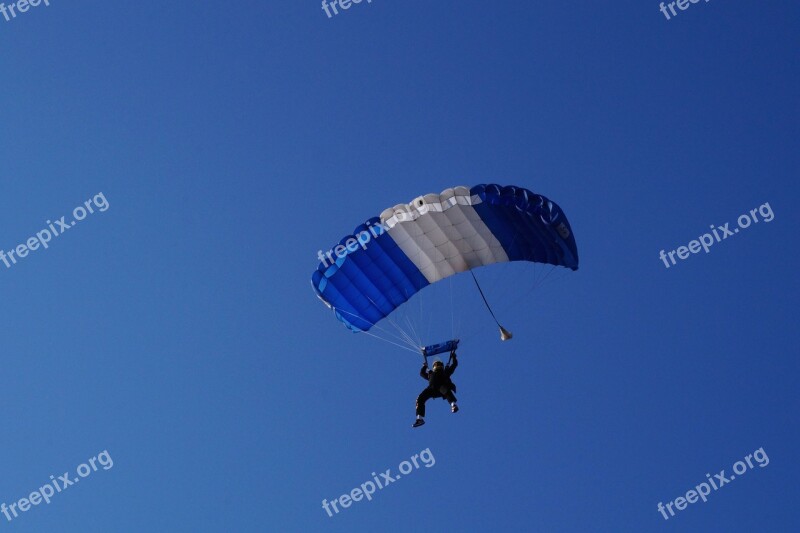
(424, 372)
(452, 368)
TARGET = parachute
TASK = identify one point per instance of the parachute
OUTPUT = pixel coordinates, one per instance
(389, 259)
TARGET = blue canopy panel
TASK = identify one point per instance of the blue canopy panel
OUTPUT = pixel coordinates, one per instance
(389, 259)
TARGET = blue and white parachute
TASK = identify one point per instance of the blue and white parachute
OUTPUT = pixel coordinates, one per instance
(390, 258)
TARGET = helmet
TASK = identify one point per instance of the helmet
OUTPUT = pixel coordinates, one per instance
(438, 363)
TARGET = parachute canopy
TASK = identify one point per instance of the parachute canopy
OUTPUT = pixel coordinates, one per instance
(390, 258)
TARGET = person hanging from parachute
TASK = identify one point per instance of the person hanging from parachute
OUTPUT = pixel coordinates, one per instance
(369, 278)
(439, 383)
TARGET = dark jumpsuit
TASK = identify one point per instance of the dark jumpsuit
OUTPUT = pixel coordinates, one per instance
(439, 385)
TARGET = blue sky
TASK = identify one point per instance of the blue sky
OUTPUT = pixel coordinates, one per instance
(177, 330)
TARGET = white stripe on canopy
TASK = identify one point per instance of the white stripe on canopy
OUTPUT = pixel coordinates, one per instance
(442, 234)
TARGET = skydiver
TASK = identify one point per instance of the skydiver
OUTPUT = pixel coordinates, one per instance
(439, 386)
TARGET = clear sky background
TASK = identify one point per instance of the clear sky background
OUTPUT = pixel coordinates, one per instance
(178, 331)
